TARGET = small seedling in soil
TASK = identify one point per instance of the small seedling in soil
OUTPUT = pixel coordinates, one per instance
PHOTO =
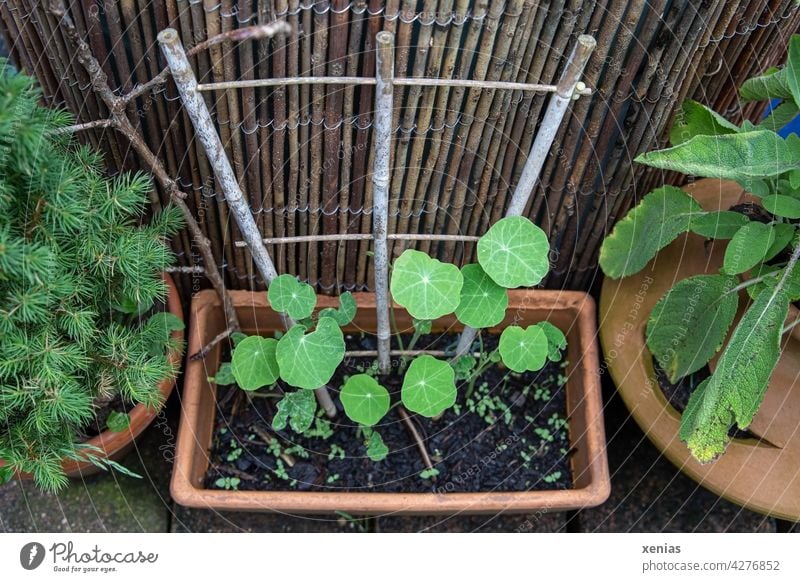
(228, 482)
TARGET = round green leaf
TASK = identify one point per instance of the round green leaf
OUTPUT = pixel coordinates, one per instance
(781, 205)
(556, 340)
(288, 295)
(364, 400)
(723, 224)
(514, 253)
(748, 247)
(427, 288)
(309, 360)
(118, 421)
(346, 311)
(429, 386)
(483, 302)
(523, 350)
(253, 362)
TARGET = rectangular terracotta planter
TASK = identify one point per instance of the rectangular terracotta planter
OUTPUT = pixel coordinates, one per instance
(573, 312)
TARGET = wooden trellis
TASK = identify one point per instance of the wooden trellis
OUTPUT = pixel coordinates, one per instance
(568, 88)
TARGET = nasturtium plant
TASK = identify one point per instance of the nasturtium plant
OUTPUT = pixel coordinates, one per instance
(254, 363)
(426, 287)
(483, 302)
(288, 295)
(429, 386)
(556, 340)
(524, 349)
(376, 449)
(514, 252)
(691, 323)
(308, 360)
(365, 401)
(297, 409)
(346, 311)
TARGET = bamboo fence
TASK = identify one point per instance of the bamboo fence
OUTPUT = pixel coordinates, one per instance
(302, 153)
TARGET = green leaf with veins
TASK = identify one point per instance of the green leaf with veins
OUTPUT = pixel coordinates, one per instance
(253, 362)
(748, 247)
(376, 448)
(421, 326)
(784, 233)
(426, 287)
(346, 311)
(224, 375)
(719, 225)
(780, 116)
(773, 275)
(308, 360)
(772, 84)
(118, 421)
(656, 221)
(523, 350)
(734, 392)
(296, 408)
(689, 324)
(556, 340)
(793, 68)
(429, 386)
(697, 119)
(288, 295)
(738, 156)
(514, 253)
(483, 302)
(463, 367)
(365, 401)
(781, 205)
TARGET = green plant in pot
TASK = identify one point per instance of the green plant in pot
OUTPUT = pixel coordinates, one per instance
(79, 278)
(512, 254)
(692, 322)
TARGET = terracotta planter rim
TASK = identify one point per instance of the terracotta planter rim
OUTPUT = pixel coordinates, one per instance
(194, 433)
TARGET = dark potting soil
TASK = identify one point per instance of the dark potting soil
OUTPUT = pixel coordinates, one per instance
(678, 394)
(511, 435)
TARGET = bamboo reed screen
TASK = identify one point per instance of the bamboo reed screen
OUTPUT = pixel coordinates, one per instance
(303, 153)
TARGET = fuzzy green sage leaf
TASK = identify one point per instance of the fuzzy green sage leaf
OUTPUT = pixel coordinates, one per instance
(734, 392)
(690, 322)
(656, 221)
(748, 247)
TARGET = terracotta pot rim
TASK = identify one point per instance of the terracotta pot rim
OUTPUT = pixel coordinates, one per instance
(749, 473)
(193, 439)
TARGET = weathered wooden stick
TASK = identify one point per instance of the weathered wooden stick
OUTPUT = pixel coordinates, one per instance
(384, 103)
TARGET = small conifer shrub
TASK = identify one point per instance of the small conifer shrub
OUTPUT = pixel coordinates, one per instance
(78, 279)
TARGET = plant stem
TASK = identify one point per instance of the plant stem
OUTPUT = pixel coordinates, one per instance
(404, 416)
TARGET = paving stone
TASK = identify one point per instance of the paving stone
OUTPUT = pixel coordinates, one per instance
(650, 494)
(185, 519)
(108, 502)
(524, 523)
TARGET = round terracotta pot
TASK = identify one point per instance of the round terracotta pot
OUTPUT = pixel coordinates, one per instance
(760, 473)
(116, 445)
